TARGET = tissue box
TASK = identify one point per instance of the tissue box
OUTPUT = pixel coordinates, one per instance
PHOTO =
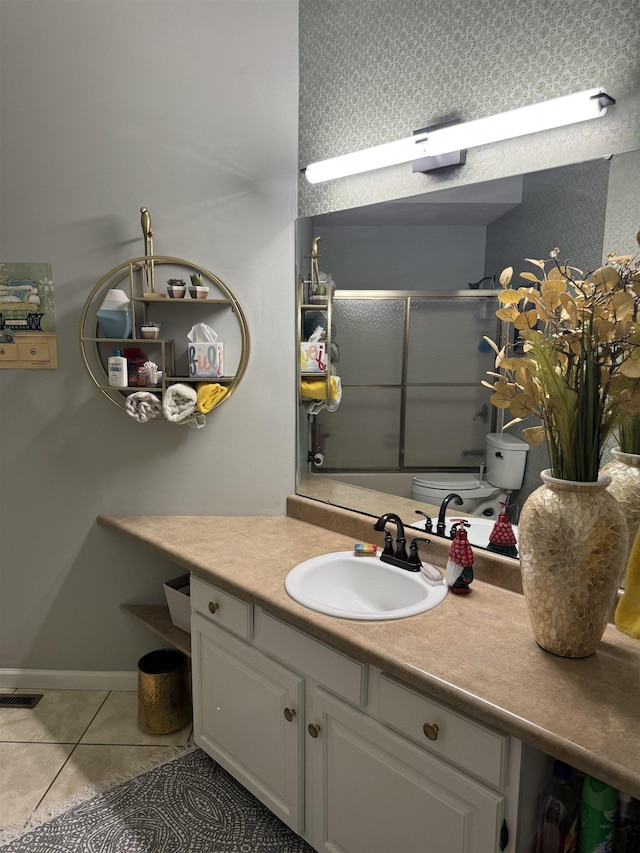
(313, 357)
(206, 359)
(177, 592)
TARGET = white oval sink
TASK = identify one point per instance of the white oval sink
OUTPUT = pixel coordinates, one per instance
(351, 587)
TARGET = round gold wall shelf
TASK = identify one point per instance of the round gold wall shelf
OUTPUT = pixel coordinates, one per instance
(137, 278)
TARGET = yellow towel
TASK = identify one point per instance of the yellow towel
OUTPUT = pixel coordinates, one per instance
(209, 395)
(627, 616)
(316, 389)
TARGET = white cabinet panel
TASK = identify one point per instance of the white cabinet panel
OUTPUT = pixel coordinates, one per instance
(469, 744)
(331, 668)
(221, 608)
(247, 712)
(377, 792)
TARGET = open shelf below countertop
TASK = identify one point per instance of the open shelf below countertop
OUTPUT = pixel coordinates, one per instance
(156, 617)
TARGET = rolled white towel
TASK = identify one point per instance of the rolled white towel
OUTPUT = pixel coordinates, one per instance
(179, 401)
(143, 406)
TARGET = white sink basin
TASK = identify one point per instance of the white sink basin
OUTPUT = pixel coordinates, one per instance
(351, 587)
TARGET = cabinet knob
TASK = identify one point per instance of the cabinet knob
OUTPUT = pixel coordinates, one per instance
(33, 351)
(2, 350)
(431, 731)
(213, 606)
(313, 730)
(289, 714)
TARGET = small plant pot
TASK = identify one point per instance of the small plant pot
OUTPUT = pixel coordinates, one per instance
(175, 291)
(198, 292)
(150, 332)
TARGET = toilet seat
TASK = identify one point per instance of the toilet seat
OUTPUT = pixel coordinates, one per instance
(442, 480)
(469, 487)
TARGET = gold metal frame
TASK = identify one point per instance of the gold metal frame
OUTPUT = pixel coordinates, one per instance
(145, 294)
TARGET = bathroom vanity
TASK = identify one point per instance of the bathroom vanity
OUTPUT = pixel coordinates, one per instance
(428, 733)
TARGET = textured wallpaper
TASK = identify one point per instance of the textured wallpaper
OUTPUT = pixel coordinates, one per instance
(372, 71)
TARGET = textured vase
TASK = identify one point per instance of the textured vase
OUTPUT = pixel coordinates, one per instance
(624, 470)
(573, 545)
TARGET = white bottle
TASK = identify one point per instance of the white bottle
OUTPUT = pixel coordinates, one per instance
(118, 370)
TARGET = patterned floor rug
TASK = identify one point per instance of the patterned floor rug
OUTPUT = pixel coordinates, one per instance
(189, 805)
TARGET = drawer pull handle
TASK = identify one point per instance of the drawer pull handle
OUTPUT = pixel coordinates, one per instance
(2, 350)
(33, 351)
(289, 714)
(313, 730)
(213, 606)
(431, 731)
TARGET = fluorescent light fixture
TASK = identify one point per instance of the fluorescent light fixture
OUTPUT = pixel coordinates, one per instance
(445, 139)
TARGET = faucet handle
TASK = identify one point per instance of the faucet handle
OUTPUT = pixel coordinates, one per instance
(428, 527)
(388, 544)
(414, 556)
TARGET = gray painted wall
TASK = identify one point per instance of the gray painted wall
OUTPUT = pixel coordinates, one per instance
(189, 108)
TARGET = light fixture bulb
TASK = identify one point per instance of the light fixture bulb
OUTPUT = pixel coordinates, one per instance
(568, 109)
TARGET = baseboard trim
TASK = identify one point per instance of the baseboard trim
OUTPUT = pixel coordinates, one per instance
(66, 679)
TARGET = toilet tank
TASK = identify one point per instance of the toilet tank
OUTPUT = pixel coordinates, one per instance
(506, 458)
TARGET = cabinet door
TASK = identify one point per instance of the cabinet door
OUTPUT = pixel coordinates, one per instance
(247, 713)
(377, 792)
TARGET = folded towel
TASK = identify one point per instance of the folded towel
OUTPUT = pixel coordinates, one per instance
(209, 395)
(627, 617)
(316, 389)
(178, 402)
(143, 406)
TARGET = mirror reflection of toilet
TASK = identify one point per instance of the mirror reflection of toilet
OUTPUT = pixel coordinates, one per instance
(506, 459)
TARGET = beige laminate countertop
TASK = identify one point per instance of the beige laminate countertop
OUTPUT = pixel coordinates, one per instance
(475, 652)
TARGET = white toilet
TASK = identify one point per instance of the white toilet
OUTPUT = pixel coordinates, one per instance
(506, 458)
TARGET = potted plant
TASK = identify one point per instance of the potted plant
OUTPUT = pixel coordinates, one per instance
(150, 329)
(176, 288)
(579, 372)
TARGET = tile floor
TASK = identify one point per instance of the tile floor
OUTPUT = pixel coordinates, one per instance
(71, 740)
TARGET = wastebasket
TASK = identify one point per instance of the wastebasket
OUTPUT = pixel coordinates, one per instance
(164, 702)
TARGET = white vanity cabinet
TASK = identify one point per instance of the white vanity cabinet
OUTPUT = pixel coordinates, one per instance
(379, 793)
(351, 759)
(246, 710)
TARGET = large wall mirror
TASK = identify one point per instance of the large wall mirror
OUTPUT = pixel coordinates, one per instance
(415, 294)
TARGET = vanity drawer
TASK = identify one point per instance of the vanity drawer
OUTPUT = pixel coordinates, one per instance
(33, 350)
(8, 352)
(221, 608)
(336, 672)
(470, 745)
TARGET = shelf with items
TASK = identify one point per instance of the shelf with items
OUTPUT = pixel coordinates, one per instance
(310, 352)
(135, 284)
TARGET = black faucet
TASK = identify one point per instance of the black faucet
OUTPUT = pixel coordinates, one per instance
(400, 558)
(440, 526)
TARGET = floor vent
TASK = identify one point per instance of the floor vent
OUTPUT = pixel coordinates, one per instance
(20, 700)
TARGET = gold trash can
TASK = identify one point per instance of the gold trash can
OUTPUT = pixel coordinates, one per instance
(164, 701)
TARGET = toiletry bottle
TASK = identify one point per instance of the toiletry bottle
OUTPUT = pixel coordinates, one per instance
(597, 816)
(627, 837)
(557, 829)
(118, 370)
